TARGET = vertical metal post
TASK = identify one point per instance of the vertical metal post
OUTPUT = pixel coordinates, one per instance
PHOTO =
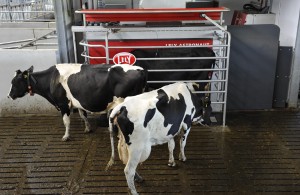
(95, 4)
(295, 72)
(64, 20)
(221, 19)
(228, 36)
(75, 48)
(106, 48)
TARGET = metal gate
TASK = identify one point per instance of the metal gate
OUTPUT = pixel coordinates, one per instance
(106, 32)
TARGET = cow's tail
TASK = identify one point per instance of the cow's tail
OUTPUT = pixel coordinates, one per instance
(112, 126)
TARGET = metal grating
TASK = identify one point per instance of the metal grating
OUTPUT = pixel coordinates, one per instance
(257, 153)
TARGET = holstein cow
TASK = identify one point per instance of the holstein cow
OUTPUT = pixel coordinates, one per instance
(176, 64)
(88, 88)
(154, 118)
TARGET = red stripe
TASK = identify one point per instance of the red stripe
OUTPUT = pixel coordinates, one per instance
(100, 52)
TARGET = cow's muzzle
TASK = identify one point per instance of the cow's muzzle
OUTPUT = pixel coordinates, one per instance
(11, 97)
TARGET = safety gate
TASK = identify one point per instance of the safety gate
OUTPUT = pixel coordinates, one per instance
(107, 32)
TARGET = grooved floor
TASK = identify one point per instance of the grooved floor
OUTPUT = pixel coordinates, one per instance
(257, 153)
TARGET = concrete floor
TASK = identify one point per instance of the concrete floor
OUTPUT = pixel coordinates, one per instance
(257, 153)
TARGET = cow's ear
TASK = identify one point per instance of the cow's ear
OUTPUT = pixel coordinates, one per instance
(18, 72)
(196, 86)
(30, 70)
(25, 74)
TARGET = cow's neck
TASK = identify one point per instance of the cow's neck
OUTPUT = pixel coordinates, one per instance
(40, 84)
(198, 105)
(37, 84)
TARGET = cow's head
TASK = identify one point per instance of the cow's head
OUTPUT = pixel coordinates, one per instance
(203, 115)
(19, 84)
(207, 110)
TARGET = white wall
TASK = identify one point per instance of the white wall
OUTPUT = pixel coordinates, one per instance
(232, 5)
(14, 59)
(287, 15)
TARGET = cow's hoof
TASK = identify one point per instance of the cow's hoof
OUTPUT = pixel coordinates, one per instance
(183, 159)
(138, 179)
(171, 164)
(132, 193)
(64, 139)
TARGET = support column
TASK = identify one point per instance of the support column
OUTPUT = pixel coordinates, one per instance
(64, 17)
(295, 73)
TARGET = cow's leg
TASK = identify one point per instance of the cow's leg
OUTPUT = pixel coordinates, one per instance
(171, 146)
(130, 169)
(66, 119)
(145, 154)
(83, 115)
(183, 139)
(111, 134)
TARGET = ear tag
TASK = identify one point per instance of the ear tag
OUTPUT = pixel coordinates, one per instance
(25, 76)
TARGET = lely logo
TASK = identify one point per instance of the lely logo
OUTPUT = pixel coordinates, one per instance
(124, 58)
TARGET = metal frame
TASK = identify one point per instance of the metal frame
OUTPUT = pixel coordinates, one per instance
(25, 10)
(221, 45)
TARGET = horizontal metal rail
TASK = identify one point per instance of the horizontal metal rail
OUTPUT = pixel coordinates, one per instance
(90, 45)
(187, 70)
(190, 81)
(179, 46)
(203, 92)
(13, 42)
(32, 45)
(30, 42)
(39, 38)
(83, 43)
(83, 54)
(183, 58)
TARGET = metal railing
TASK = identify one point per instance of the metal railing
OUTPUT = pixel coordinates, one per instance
(100, 37)
(26, 10)
(34, 42)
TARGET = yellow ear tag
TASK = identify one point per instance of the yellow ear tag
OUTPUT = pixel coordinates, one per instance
(25, 76)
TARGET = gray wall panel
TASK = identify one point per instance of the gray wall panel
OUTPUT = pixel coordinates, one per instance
(283, 71)
(252, 69)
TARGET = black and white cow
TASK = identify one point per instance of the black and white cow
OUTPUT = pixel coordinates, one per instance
(88, 88)
(176, 64)
(154, 118)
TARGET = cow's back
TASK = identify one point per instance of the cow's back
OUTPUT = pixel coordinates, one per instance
(127, 80)
(86, 86)
(160, 113)
(92, 87)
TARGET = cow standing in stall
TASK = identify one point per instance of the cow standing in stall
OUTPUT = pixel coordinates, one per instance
(174, 75)
(88, 88)
(160, 115)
